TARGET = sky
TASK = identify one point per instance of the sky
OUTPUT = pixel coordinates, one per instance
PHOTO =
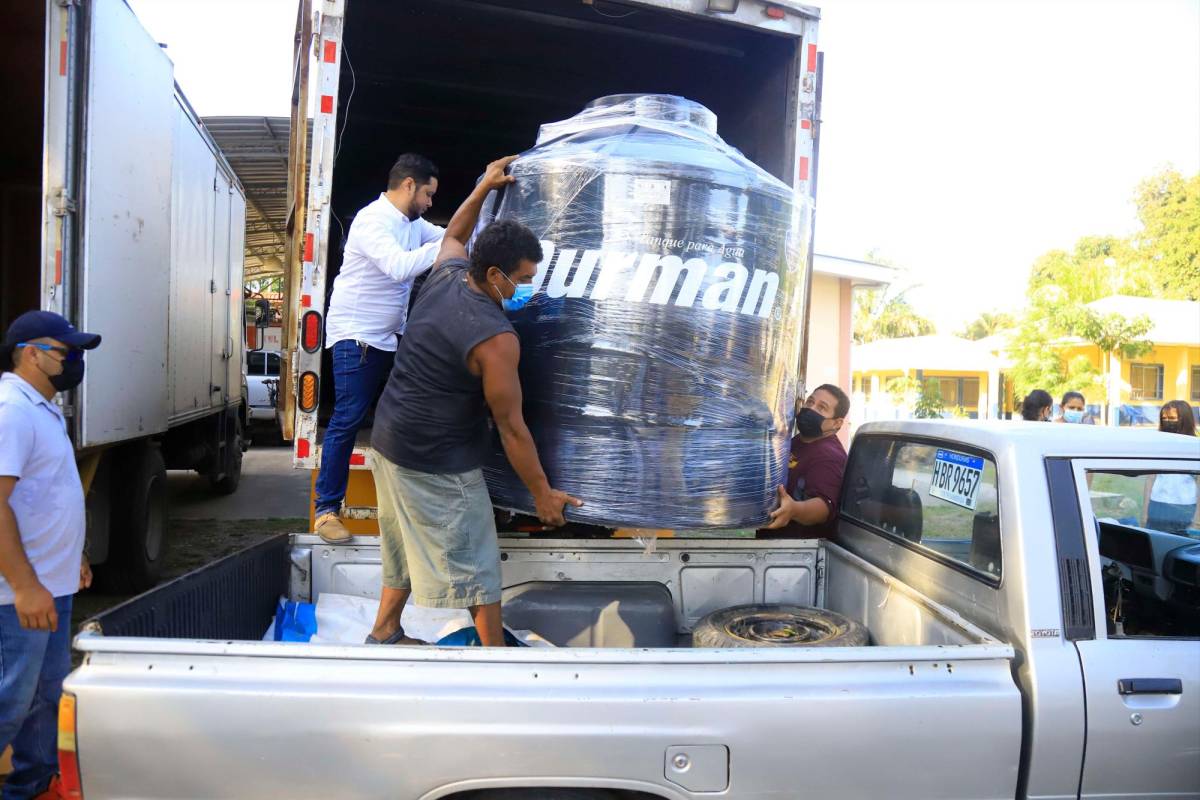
(961, 139)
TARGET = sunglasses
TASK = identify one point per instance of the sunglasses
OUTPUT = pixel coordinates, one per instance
(68, 353)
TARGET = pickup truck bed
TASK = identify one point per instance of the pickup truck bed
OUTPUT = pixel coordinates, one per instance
(428, 721)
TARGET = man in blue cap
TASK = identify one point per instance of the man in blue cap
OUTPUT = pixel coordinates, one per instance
(41, 540)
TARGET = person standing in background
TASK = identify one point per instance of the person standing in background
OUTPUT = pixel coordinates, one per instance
(1169, 501)
(1074, 410)
(1037, 406)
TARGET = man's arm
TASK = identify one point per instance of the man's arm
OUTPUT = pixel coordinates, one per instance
(497, 360)
(34, 604)
(430, 232)
(378, 244)
(812, 511)
(824, 484)
(458, 232)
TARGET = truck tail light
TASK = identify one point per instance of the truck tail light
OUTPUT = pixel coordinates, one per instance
(70, 785)
(310, 336)
(309, 383)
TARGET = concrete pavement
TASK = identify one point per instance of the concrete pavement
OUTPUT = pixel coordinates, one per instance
(270, 489)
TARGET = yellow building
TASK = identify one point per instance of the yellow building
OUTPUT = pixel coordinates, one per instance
(887, 375)
(1138, 387)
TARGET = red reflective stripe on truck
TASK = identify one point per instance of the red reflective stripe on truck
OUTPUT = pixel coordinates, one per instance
(302, 447)
(803, 171)
(331, 52)
(57, 267)
(326, 104)
(306, 300)
(62, 57)
(812, 58)
(357, 459)
(805, 124)
(308, 247)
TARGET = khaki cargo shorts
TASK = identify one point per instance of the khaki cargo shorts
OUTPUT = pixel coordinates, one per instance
(438, 536)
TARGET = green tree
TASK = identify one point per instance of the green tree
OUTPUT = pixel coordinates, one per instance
(1169, 243)
(930, 404)
(879, 314)
(988, 324)
(1112, 334)
(1036, 360)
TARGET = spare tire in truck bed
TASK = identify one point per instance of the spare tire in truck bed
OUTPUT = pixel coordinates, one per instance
(777, 626)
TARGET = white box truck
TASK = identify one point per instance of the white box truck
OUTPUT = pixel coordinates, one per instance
(118, 211)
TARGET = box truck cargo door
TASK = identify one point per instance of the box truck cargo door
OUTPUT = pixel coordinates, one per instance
(129, 105)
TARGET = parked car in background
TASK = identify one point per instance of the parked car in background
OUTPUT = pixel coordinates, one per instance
(262, 386)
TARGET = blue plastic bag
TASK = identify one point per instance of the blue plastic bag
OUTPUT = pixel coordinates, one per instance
(469, 637)
(295, 622)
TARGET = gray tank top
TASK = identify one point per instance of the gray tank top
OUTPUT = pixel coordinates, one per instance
(432, 416)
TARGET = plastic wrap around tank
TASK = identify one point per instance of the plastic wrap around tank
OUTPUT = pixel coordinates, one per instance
(659, 353)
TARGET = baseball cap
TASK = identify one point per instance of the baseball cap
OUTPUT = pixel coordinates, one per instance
(44, 325)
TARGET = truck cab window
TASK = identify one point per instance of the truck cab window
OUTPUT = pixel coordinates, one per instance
(273, 365)
(255, 363)
(940, 499)
(1148, 537)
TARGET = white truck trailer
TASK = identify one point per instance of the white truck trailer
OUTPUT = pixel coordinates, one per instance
(118, 211)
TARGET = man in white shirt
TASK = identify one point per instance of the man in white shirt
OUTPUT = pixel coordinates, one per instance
(388, 247)
(41, 540)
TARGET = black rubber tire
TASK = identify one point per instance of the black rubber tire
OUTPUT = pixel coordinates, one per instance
(98, 511)
(232, 477)
(777, 626)
(543, 794)
(138, 543)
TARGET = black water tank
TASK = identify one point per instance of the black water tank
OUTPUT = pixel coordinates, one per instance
(660, 350)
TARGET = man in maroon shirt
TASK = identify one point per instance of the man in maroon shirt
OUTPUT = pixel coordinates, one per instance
(808, 504)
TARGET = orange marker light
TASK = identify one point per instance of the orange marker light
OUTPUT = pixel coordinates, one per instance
(68, 758)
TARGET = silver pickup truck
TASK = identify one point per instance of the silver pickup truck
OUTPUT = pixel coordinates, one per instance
(1034, 632)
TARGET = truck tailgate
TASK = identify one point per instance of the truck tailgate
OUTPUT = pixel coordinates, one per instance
(171, 718)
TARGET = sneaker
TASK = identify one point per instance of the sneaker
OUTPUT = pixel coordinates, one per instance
(330, 528)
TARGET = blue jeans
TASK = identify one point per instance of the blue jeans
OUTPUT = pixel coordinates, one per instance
(32, 667)
(359, 374)
(1169, 517)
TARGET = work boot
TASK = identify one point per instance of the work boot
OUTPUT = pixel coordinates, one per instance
(330, 529)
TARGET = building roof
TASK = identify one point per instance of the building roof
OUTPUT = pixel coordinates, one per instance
(937, 352)
(257, 149)
(1175, 321)
(860, 273)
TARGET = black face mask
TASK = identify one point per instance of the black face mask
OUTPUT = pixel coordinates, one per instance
(1169, 426)
(809, 422)
(70, 377)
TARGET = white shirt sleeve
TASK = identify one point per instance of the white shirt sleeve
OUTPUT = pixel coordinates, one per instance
(382, 249)
(16, 441)
(430, 232)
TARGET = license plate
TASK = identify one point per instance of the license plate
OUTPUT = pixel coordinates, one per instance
(956, 478)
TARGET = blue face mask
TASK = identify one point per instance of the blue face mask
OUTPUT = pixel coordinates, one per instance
(521, 294)
(1072, 415)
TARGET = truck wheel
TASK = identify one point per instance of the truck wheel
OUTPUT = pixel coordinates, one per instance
(542, 794)
(98, 512)
(138, 541)
(228, 482)
(777, 626)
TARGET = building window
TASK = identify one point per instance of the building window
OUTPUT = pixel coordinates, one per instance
(1195, 384)
(1146, 381)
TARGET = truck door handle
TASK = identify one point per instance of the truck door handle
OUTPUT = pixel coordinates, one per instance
(1127, 686)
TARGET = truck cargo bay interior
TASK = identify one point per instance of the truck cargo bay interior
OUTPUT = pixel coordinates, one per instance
(574, 593)
(409, 84)
(21, 161)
